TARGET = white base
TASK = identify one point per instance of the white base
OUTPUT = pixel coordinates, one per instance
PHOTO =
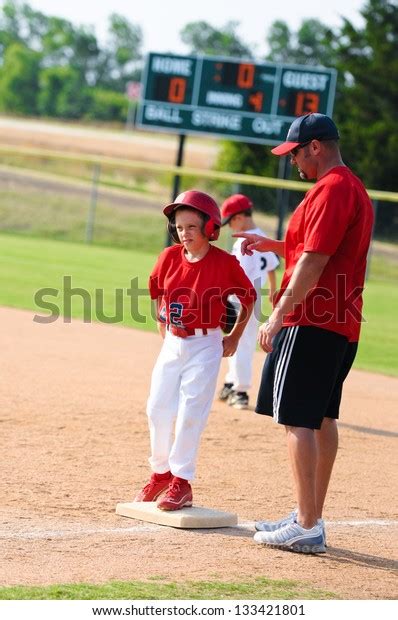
(194, 517)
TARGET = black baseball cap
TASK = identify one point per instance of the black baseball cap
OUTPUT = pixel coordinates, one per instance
(306, 128)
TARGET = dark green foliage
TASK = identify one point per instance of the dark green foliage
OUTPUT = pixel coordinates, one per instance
(368, 109)
(49, 65)
(252, 159)
(19, 80)
(202, 38)
(62, 93)
(312, 44)
(106, 105)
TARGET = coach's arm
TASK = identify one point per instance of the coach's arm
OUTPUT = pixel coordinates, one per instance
(305, 276)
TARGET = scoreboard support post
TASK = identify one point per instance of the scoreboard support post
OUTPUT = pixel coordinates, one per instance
(177, 178)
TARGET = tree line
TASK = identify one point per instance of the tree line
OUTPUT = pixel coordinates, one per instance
(50, 67)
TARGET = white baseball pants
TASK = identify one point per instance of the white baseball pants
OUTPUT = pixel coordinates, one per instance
(182, 389)
(241, 363)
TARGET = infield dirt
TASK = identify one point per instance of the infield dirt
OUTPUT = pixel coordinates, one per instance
(74, 442)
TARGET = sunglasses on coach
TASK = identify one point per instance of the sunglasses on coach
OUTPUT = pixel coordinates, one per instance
(296, 149)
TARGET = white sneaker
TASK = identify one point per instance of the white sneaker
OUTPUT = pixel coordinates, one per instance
(293, 537)
(272, 526)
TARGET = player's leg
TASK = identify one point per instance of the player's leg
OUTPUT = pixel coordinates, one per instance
(198, 384)
(241, 363)
(163, 401)
(162, 407)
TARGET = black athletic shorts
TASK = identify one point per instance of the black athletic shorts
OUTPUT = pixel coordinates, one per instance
(303, 376)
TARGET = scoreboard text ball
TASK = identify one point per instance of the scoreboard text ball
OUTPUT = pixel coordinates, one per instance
(242, 100)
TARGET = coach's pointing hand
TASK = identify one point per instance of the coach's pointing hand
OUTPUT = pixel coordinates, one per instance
(252, 242)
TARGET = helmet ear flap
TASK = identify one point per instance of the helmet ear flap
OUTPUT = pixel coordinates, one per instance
(212, 231)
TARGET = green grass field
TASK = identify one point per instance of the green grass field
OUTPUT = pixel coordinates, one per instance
(157, 589)
(29, 265)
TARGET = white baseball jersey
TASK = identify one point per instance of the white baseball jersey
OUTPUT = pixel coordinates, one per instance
(256, 266)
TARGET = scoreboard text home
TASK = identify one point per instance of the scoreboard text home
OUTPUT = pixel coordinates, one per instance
(242, 100)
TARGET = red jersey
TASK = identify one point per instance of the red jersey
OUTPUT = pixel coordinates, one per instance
(335, 218)
(193, 295)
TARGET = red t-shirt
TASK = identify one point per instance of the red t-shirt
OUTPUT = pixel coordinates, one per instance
(335, 218)
(193, 295)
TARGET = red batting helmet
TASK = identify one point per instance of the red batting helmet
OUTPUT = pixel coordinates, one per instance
(201, 202)
(237, 203)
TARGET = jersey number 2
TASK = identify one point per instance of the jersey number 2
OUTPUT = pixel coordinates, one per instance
(176, 309)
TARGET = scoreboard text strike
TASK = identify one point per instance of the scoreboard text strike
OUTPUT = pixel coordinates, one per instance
(243, 100)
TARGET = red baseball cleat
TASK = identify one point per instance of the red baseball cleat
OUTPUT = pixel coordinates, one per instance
(157, 484)
(178, 495)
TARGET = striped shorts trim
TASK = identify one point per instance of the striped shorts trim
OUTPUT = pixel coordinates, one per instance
(303, 376)
(281, 368)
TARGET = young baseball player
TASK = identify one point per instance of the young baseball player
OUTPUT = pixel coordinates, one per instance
(237, 211)
(190, 282)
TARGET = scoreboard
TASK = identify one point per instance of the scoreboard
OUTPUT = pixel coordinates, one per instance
(232, 98)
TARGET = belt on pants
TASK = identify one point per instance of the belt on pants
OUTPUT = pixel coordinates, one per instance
(183, 332)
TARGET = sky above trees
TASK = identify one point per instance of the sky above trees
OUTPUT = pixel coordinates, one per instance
(161, 21)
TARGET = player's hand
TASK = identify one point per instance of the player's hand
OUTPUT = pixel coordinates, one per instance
(162, 329)
(230, 344)
(268, 331)
(252, 242)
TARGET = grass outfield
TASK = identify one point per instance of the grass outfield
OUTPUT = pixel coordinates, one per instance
(44, 206)
(29, 265)
(156, 589)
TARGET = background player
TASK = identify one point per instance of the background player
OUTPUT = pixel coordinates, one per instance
(237, 211)
(191, 282)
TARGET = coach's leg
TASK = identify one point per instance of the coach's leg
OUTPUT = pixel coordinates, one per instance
(303, 459)
(326, 440)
